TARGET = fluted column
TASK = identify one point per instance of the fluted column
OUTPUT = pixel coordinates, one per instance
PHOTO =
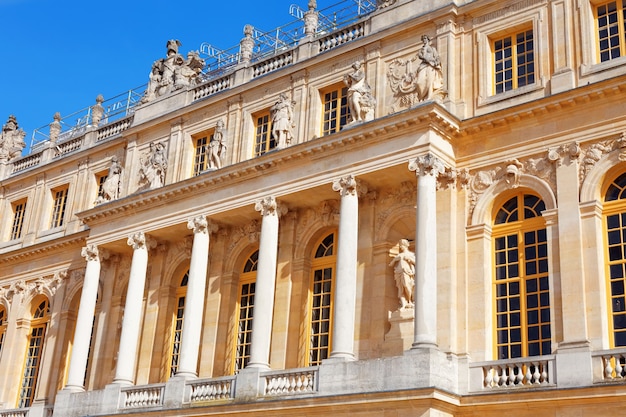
(129, 339)
(427, 168)
(84, 321)
(345, 282)
(265, 284)
(194, 300)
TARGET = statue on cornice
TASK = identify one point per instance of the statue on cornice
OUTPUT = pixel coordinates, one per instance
(384, 3)
(282, 121)
(11, 140)
(216, 146)
(153, 168)
(173, 72)
(360, 99)
(425, 83)
(111, 186)
(404, 273)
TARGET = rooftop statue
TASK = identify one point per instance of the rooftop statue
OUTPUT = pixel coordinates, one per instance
(11, 140)
(360, 99)
(173, 72)
(425, 83)
(282, 121)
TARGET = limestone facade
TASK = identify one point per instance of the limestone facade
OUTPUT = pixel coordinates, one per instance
(186, 260)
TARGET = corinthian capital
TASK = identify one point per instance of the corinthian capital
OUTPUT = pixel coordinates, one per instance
(427, 164)
(139, 240)
(198, 224)
(90, 253)
(267, 206)
(346, 185)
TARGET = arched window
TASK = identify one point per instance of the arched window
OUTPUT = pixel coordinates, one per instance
(245, 309)
(521, 283)
(38, 327)
(3, 326)
(321, 293)
(615, 221)
(177, 324)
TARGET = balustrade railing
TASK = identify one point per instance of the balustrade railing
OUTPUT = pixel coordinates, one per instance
(518, 372)
(114, 128)
(211, 87)
(613, 365)
(342, 36)
(292, 382)
(69, 146)
(212, 389)
(273, 63)
(28, 162)
(14, 413)
(140, 397)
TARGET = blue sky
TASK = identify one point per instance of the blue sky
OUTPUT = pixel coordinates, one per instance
(59, 55)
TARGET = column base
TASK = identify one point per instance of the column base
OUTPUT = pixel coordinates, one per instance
(74, 388)
(185, 376)
(340, 357)
(258, 366)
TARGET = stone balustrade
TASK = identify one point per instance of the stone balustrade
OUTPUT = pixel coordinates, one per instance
(211, 87)
(212, 389)
(295, 381)
(342, 36)
(27, 162)
(114, 128)
(14, 413)
(515, 373)
(140, 397)
(273, 63)
(71, 145)
(610, 365)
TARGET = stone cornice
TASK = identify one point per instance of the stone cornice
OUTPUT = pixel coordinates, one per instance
(77, 240)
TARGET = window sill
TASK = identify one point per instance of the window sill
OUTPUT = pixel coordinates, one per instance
(510, 94)
(586, 70)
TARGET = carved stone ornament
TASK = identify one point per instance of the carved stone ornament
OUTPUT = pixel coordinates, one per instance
(592, 154)
(217, 148)
(411, 85)
(198, 224)
(48, 284)
(361, 102)
(55, 127)
(346, 185)
(282, 121)
(11, 140)
(427, 164)
(173, 72)
(139, 240)
(311, 19)
(404, 274)
(250, 231)
(97, 111)
(246, 45)
(381, 4)
(112, 185)
(90, 253)
(153, 167)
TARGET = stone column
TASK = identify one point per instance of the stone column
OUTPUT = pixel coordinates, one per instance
(129, 339)
(84, 321)
(194, 300)
(265, 284)
(427, 168)
(345, 283)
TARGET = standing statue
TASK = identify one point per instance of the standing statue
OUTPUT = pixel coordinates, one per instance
(173, 72)
(152, 171)
(11, 140)
(111, 186)
(425, 83)
(404, 273)
(282, 121)
(216, 146)
(360, 99)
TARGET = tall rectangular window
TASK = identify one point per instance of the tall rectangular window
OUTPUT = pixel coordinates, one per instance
(336, 110)
(514, 61)
(33, 355)
(247, 287)
(19, 209)
(611, 29)
(263, 139)
(58, 207)
(201, 159)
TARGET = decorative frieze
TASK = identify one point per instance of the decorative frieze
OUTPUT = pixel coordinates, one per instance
(593, 153)
(43, 285)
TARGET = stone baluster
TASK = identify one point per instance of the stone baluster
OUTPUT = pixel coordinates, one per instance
(194, 300)
(265, 284)
(84, 321)
(345, 283)
(131, 324)
(427, 168)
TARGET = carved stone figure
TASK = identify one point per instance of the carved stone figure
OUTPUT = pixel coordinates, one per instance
(173, 72)
(385, 3)
(216, 146)
(282, 121)
(11, 140)
(111, 186)
(360, 99)
(152, 171)
(404, 273)
(425, 83)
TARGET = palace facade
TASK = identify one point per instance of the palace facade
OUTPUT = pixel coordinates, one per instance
(421, 212)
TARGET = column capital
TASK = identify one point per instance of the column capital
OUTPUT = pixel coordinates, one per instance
(346, 185)
(90, 253)
(140, 240)
(427, 164)
(200, 224)
(268, 206)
